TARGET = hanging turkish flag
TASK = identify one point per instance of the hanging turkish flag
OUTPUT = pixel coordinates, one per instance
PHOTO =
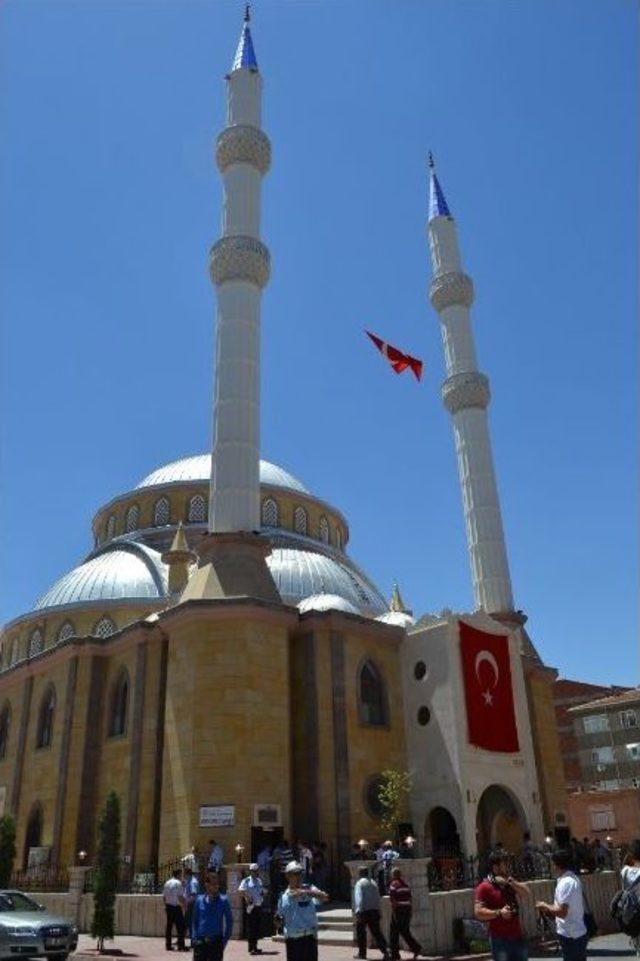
(486, 671)
(398, 359)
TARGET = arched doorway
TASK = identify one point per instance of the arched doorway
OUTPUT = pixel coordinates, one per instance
(33, 837)
(442, 831)
(500, 819)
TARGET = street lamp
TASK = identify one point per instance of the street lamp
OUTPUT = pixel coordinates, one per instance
(239, 849)
(82, 856)
(363, 843)
(409, 841)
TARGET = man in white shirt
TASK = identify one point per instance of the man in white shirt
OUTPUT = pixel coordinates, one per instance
(252, 891)
(216, 856)
(567, 909)
(173, 897)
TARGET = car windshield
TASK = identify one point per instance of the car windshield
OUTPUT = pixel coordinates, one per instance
(14, 901)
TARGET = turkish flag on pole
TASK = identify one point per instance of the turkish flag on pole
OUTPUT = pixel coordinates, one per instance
(399, 361)
(486, 671)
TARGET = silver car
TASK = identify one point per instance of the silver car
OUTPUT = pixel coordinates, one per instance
(27, 930)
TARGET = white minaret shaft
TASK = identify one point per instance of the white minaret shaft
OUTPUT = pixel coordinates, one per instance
(466, 396)
(240, 266)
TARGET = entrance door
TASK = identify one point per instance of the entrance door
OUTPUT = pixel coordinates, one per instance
(261, 837)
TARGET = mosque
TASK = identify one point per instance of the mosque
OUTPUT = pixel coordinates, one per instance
(222, 662)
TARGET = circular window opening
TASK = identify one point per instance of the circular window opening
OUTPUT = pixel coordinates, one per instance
(420, 671)
(424, 715)
(372, 796)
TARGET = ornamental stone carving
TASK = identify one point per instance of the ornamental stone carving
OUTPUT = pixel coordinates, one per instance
(470, 389)
(240, 258)
(242, 143)
(451, 288)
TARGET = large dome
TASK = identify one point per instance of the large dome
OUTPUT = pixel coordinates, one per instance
(122, 571)
(198, 468)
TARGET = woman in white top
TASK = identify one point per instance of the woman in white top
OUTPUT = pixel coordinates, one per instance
(629, 874)
(567, 909)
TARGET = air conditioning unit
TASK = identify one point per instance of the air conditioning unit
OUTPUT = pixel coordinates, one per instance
(267, 816)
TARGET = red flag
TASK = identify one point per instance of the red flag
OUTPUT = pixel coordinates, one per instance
(486, 671)
(396, 358)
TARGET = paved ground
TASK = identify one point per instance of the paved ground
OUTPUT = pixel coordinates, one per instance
(613, 947)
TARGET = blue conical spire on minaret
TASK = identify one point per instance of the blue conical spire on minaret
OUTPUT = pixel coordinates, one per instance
(438, 206)
(245, 58)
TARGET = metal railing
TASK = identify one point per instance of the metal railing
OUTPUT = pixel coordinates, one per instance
(41, 879)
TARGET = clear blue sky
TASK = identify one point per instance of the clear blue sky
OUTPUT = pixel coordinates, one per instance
(111, 199)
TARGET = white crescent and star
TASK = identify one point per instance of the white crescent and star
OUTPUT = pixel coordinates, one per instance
(491, 661)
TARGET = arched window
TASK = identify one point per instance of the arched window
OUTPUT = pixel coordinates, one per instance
(132, 519)
(372, 697)
(44, 735)
(323, 530)
(66, 631)
(104, 627)
(338, 538)
(5, 724)
(36, 642)
(270, 516)
(300, 520)
(111, 526)
(197, 510)
(13, 653)
(161, 512)
(119, 704)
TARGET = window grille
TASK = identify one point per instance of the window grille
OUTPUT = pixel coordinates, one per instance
(300, 520)
(36, 642)
(323, 529)
(161, 512)
(270, 513)
(104, 627)
(66, 631)
(197, 510)
(132, 519)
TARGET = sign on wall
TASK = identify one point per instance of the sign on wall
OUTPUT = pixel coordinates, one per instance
(217, 815)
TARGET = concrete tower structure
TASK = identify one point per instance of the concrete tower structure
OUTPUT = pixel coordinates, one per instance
(240, 266)
(466, 396)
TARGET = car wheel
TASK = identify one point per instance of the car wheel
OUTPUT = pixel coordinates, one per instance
(57, 957)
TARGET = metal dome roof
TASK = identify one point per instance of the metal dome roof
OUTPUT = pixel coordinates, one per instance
(300, 571)
(121, 571)
(198, 468)
(397, 618)
(326, 602)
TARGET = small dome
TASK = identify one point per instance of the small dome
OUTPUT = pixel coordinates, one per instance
(326, 602)
(198, 468)
(301, 571)
(121, 571)
(397, 618)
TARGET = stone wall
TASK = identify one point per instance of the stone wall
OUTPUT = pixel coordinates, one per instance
(434, 912)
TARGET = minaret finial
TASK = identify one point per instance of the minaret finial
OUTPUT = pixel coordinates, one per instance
(245, 57)
(438, 206)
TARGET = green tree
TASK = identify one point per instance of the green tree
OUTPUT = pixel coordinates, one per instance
(392, 794)
(106, 871)
(7, 849)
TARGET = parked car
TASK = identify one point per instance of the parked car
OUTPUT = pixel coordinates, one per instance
(27, 930)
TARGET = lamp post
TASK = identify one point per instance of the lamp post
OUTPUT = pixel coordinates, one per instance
(82, 857)
(239, 849)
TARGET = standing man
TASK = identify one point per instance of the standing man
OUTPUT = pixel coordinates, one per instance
(212, 921)
(366, 907)
(401, 907)
(173, 897)
(389, 855)
(567, 909)
(216, 856)
(496, 903)
(252, 891)
(296, 907)
(191, 891)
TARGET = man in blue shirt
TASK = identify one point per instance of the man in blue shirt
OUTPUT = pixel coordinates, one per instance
(297, 908)
(212, 921)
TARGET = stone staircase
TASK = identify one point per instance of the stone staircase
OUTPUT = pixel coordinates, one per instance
(335, 926)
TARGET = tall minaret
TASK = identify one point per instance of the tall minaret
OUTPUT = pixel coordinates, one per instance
(240, 266)
(466, 396)
(232, 555)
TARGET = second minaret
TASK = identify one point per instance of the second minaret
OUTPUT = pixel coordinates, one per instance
(240, 267)
(466, 396)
